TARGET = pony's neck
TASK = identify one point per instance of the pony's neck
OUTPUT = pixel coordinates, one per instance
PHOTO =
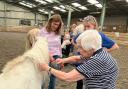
(39, 51)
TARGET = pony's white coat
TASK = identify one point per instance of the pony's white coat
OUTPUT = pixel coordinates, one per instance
(22, 72)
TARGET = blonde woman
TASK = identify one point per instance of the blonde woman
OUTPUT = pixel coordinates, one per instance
(90, 22)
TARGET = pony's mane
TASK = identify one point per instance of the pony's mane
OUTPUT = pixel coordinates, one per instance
(11, 64)
(34, 53)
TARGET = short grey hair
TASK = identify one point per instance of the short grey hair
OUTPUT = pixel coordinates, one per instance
(90, 39)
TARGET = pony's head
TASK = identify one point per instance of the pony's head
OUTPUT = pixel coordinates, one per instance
(40, 50)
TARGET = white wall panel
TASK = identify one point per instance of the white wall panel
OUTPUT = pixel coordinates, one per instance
(12, 22)
(1, 5)
(14, 14)
(15, 8)
(29, 16)
(117, 20)
(2, 21)
(1, 14)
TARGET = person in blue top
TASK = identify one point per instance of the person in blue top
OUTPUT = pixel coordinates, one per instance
(90, 22)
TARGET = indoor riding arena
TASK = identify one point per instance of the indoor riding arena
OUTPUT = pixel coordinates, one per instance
(17, 17)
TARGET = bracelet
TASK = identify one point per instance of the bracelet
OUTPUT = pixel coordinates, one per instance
(49, 69)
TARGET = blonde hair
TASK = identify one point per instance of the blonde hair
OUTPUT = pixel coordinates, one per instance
(90, 39)
(92, 20)
(54, 18)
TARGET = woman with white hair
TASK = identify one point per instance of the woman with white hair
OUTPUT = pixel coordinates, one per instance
(90, 23)
(99, 69)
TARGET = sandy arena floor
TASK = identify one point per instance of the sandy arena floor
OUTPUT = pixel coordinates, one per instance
(13, 44)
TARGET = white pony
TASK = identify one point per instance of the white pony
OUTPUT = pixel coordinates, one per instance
(23, 72)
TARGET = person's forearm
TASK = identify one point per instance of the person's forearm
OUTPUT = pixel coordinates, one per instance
(71, 76)
(59, 74)
(114, 47)
(71, 59)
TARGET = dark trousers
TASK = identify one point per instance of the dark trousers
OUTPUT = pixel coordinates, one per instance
(66, 51)
(79, 84)
(52, 81)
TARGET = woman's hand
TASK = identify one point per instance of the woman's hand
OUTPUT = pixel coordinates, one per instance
(51, 59)
(43, 67)
(59, 61)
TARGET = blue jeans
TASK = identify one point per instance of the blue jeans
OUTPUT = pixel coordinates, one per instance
(52, 81)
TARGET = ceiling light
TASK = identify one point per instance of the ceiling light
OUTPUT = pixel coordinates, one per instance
(118, 0)
(30, 5)
(52, 12)
(93, 1)
(42, 10)
(42, 2)
(126, 0)
(98, 5)
(33, 5)
(76, 4)
(45, 12)
(57, 8)
(83, 7)
(62, 10)
(62, 6)
(95, 12)
(50, 1)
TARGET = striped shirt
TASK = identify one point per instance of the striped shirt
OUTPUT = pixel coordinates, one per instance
(100, 71)
(54, 42)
